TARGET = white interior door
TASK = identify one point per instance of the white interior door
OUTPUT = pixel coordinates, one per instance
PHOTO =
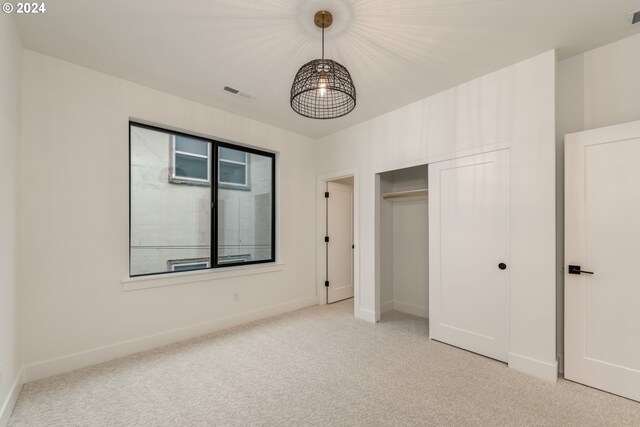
(602, 236)
(469, 253)
(340, 245)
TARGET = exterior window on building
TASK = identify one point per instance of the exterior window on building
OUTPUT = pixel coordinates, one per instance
(188, 264)
(233, 259)
(190, 160)
(175, 224)
(232, 169)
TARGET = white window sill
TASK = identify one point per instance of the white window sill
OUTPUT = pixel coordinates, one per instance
(170, 279)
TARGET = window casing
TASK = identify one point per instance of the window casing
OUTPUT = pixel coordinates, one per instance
(207, 223)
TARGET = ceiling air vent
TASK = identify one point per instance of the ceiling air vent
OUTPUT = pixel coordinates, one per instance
(237, 92)
(635, 17)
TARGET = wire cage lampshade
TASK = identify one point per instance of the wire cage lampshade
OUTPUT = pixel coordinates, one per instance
(322, 88)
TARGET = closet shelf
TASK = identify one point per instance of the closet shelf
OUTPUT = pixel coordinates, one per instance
(403, 195)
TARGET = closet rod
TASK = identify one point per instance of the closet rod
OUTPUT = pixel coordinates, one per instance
(406, 194)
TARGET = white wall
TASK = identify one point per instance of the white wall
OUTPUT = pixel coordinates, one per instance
(384, 245)
(513, 107)
(10, 75)
(74, 231)
(595, 89)
(411, 257)
(611, 90)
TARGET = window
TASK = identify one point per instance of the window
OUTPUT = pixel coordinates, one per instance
(207, 223)
(232, 259)
(232, 168)
(188, 264)
(189, 160)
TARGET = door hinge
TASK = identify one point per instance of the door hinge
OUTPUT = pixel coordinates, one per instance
(326, 239)
(326, 283)
(326, 194)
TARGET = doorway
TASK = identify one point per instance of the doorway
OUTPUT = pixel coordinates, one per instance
(337, 260)
(339, 243)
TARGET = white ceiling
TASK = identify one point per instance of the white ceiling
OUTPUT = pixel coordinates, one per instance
(397, 51)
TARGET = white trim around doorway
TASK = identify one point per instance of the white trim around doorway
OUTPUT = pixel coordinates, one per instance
(320, 234)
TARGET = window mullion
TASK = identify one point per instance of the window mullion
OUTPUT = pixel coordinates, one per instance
(213, 168)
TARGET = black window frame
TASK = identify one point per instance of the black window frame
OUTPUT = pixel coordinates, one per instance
(215, 185)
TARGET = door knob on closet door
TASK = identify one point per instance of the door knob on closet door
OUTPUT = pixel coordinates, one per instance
(502, 266)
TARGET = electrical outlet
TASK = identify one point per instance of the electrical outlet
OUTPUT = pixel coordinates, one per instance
(236, 296)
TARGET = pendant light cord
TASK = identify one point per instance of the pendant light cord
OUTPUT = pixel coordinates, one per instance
(323, 41)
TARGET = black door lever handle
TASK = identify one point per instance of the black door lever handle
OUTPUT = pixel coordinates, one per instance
(575, 269)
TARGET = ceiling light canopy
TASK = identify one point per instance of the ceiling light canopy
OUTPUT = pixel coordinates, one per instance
(322, 88)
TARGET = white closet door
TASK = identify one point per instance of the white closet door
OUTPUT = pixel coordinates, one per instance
(469, 253)
(602, 236)
(340, 246)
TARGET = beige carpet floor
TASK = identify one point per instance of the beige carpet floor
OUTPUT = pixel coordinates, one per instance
(314, 367)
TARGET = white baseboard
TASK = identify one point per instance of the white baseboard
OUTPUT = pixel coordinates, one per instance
(413, 309)
(367, 315)
(386, 306)
(12, 398)
(537, 368)
(59, 365)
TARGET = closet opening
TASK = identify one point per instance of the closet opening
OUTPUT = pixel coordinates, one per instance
(403, 241)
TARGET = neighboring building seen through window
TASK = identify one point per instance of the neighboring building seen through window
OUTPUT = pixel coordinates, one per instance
(190, 160)
(232, 168)
(245, 212)
(176, 213)
(188, 264)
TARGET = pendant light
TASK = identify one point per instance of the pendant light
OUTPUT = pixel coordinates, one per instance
(322, 88)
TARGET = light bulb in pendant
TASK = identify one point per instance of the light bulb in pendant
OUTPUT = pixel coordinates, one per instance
(322, 84)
